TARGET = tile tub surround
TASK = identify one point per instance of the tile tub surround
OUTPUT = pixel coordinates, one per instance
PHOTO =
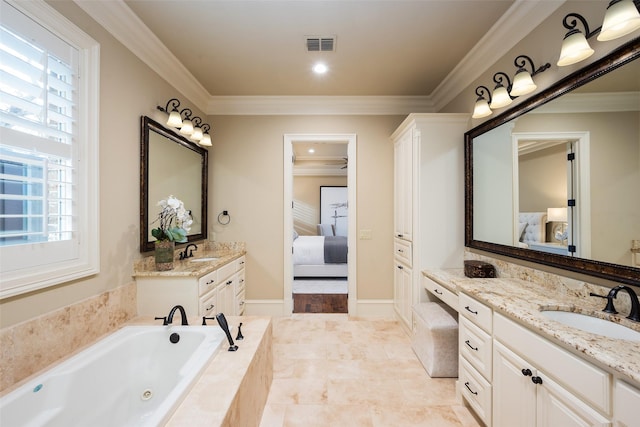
(33, 345)
(225, 252)
(233, 388)
(522, 302)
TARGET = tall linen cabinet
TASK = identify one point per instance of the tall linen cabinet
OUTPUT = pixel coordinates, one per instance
(428, 203)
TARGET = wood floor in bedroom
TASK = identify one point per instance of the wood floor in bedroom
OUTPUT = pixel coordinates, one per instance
(320, 303)
(320, 295)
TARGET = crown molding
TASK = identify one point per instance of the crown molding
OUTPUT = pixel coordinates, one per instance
(521, 18)
(123, 24)
(318, 105)
(605, 102)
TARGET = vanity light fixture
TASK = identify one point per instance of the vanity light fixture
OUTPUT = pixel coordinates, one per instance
(523, 82)
(482, 108)
(622, 18)
(500, 96)
(187, 124)
(206, 138)
(191, 127)
(197, 134)
(174, 120)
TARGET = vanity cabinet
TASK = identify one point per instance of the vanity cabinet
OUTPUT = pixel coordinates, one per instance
(218, 291)
(511, 376)
(428, 203)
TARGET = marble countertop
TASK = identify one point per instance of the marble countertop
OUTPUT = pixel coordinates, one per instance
(224, 253)
(523, 302)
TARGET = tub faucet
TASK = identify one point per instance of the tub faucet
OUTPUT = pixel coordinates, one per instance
(183, 314)
(188, 253)
(634, 314)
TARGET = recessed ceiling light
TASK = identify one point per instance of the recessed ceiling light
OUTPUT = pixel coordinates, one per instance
(320, 68)
(311, 151)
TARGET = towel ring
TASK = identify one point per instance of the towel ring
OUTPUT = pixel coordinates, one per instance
(222, 215)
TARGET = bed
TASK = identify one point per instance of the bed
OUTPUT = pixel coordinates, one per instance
(320, 256)
(532, 228)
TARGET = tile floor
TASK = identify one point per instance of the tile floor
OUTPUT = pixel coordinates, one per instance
(330, 370)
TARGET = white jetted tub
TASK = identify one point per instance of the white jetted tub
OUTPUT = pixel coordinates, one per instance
(136, 376)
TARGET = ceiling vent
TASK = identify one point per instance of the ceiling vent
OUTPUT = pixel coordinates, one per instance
(320, 44)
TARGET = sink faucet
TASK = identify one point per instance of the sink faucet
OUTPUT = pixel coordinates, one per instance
(183, 314)
(188, 253)
(634, 314)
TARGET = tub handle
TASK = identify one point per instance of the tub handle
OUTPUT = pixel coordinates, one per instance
(205, 318)
(164, 320)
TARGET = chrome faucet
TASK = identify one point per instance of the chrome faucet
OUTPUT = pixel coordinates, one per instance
(188, 253)
(183, 314)
(634, 314)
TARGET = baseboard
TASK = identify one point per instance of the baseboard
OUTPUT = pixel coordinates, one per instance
(380, 308)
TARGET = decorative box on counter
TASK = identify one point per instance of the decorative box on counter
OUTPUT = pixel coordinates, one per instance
(479, 269)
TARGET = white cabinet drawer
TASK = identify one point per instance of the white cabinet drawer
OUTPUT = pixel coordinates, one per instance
(580, 377)
(402, 251)
(476, 346)
(207, 282)
(240, 283)
(440, 292)
(475, 311)
(476, 390)
(208, 304)
(226, 271)
(240, 262)
(240, 304)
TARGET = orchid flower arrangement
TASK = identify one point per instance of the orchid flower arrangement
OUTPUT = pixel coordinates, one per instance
(174, 221)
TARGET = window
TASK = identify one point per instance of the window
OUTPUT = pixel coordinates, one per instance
(48, 149)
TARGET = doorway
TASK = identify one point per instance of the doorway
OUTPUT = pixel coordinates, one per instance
(319, 169)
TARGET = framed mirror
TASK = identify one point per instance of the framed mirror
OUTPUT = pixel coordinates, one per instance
(584, 215)
(171, 165)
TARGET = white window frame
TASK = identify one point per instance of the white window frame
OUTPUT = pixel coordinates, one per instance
(15, 277)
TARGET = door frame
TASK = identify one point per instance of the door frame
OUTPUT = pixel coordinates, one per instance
(289, 139)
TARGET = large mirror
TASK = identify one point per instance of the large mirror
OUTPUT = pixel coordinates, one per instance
(556, 180)
(171, 165)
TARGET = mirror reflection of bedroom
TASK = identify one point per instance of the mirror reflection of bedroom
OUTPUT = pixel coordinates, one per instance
(320, 227)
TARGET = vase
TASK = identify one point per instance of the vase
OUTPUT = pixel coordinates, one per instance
(164, 254)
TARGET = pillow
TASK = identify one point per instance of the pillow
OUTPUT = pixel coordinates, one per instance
(522, 226)
(295, 234)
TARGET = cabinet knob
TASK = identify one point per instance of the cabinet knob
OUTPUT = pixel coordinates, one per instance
(400, 250)
(229, 282)
(437, 291)
(209, 308)
(400, 267)
(527, 372)
(399, 235)
(536, 380)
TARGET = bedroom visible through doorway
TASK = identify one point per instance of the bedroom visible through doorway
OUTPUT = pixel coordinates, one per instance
(320, 205)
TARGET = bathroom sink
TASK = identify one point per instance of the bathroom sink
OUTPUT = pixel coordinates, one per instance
(592, 324)
(204, 259)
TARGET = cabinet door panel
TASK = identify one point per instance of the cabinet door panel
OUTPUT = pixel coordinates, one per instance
(557, 407)
(514, 394)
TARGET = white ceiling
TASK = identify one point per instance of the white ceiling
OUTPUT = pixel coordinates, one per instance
(414, 53)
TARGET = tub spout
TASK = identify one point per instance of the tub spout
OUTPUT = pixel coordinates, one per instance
(183, 314)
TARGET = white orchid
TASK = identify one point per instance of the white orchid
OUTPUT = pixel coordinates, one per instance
(173, 210)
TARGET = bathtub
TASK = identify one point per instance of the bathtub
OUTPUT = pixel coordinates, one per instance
(134, 377)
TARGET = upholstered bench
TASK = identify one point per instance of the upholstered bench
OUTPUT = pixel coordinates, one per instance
(435, 338)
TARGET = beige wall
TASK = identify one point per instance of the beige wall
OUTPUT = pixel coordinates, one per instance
(128, 90)
(306, 194)
(246, 178)
(542, 176)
